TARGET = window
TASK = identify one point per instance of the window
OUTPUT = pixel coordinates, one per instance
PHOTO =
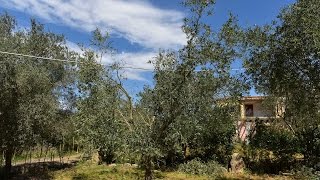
(249, 110)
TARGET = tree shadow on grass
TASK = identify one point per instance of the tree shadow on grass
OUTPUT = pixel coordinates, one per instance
(36, 171)
(80, 177)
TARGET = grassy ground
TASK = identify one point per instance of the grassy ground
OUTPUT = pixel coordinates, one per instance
(231, 176)
(90, 171)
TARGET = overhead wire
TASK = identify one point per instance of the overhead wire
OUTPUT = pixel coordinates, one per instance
(37, 57)
(73, 61)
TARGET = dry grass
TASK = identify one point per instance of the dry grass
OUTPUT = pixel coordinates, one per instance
(233, 176)
(90, 171)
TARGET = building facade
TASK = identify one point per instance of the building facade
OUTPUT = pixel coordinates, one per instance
(253, 108)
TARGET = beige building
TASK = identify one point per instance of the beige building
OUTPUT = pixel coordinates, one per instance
(253, 108)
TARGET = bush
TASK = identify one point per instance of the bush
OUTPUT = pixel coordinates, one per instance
(306, 173)
(198, 167)
(275, 138)
(274, 148)
(271, 149)
(310, 146)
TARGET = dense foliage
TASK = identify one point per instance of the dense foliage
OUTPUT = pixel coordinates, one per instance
(29, 87)
(283, 61)
(198, 167)
(187, 119)
(97, 102)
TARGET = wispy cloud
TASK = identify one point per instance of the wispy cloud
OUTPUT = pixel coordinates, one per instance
(135, 20)
(136, 60)
(125, 59)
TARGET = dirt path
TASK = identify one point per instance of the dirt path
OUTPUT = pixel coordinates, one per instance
(65, 159)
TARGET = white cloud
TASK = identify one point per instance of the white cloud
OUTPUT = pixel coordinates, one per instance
(137, 60)
(73, 47)
(133, 75)
(136, 20)
(134, 59)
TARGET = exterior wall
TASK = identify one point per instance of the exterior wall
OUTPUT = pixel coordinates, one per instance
(246, 124)
(242, 111)
(258, 110)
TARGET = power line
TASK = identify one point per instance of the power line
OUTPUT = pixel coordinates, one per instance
(37, 57)
(72, 61)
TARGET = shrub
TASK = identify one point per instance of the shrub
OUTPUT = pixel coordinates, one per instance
(306, 173)
(271, 149)
(198, 167)
(275, 138)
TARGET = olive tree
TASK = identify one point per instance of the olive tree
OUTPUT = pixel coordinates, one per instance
(183, 106)
(283, 62)
(30, 87)
(98, 101)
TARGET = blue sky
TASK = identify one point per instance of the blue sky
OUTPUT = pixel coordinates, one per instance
(139, 28)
